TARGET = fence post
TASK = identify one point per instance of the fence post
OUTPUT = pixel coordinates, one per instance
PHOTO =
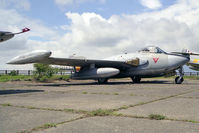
(17, 72)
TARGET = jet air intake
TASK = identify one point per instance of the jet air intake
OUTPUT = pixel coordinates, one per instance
(96, 73)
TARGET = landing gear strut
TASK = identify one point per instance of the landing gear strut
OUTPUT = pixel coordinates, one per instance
(102, 80)
(180, 79)
(136, 79)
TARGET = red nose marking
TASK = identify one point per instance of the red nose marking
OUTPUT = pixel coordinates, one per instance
(155, 60)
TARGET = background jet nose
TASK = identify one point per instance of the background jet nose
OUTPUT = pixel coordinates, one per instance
(175, 60)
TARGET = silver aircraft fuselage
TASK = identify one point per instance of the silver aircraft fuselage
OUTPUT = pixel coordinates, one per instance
(151, 64)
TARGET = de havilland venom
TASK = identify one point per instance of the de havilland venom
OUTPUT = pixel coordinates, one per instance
(4, 35)
(148, 62)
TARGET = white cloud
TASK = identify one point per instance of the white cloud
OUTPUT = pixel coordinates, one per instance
(17, 4)
(94, 36)
(152, 4)
(63, 3)
(22, 43)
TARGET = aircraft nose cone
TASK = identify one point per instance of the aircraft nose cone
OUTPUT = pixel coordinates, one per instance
(176, 61)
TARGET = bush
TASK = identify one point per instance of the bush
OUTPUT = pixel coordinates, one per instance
(13, 73)
(43, 72)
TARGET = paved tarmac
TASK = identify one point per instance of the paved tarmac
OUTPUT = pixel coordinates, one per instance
(86, 107)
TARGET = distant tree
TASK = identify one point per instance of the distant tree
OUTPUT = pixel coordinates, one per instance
(43, 72)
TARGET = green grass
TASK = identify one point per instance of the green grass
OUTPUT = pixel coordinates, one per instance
(100, 93)
(45, 126)
(84, 92)
(6, 104)
(48, 125)
(116, 93)
(61, 77)
(173, 77)
(192, 77)
(30, 107)
(157, 117)
(6, 78)
(123, 107)
(101, 112)
(192, 121)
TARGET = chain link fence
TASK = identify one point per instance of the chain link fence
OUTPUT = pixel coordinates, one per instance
(30, 72)
(68, 72)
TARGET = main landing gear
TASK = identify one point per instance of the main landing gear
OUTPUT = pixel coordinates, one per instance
(136, 79)
(102, 80)
(180, 79)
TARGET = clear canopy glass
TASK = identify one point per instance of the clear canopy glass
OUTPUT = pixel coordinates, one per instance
(152, 49)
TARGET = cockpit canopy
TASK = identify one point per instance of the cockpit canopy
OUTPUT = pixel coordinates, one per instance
(152, 49)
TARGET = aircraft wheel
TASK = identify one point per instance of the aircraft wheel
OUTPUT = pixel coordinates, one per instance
(136, 79)
(102, 80)
(179, 80)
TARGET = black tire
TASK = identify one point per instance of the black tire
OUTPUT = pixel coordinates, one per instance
(136, 79)
(179, 80)
(102, 80)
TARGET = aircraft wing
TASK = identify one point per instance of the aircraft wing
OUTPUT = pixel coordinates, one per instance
(44, 57)
(193, 63)
(4, 36)
(194, 66)
(84, 62)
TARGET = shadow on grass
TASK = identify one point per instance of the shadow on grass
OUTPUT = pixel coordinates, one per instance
(7, 92)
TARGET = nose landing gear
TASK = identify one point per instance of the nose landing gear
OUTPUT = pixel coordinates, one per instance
(180, 79)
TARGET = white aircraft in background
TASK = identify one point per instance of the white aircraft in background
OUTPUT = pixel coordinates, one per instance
(148, 62)
(193, 63)
(194, 60)
(4, 35)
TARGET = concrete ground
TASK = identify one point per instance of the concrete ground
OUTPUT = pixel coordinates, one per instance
(86, 107)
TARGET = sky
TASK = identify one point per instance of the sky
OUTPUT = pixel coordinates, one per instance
(97, 28)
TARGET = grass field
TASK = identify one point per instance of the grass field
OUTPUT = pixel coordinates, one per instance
(6, 78)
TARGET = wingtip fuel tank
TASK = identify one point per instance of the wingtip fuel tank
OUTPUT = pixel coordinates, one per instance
(30, 57)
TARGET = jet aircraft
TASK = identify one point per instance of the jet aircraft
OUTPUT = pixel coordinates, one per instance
(4, 35)
(147, 62)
